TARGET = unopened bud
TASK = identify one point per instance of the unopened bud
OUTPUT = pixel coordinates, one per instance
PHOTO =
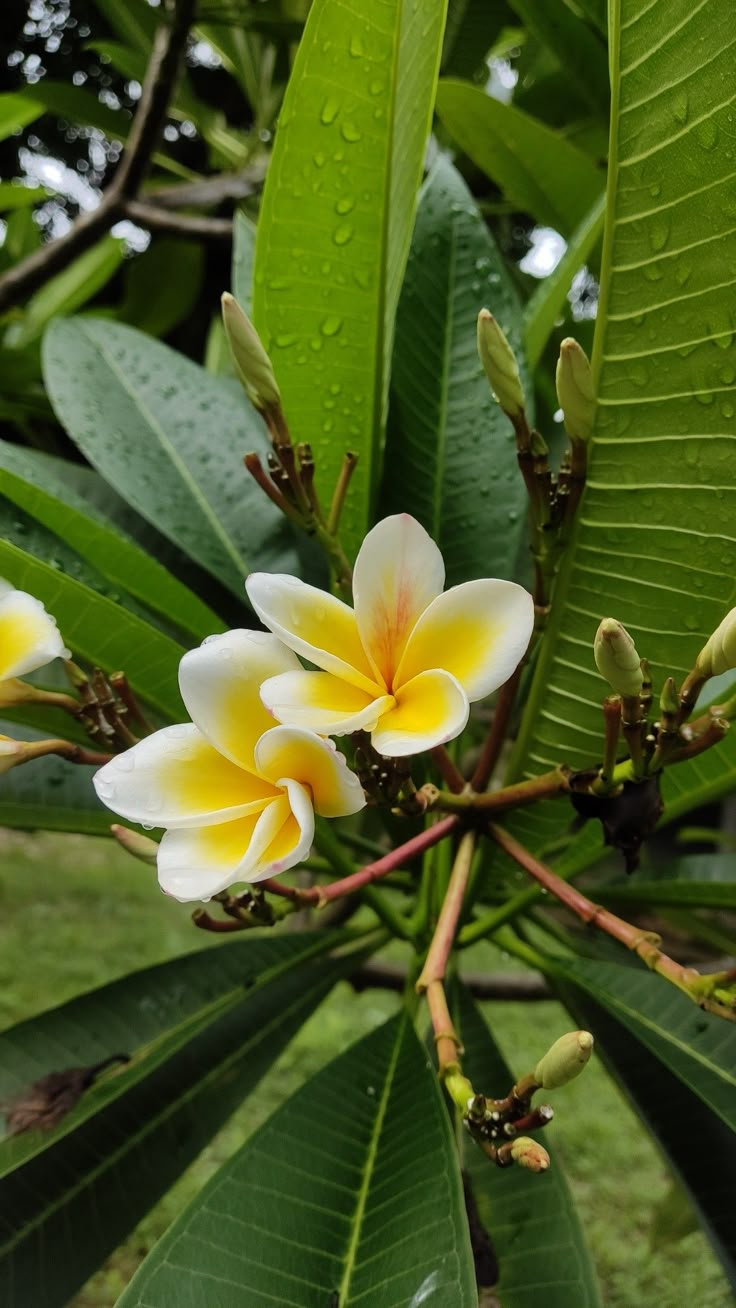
(11, 753)
(616, 658)
(252, 364)
(564, 1061)
(499, 365)
(14, 691)
(575, 390)
(141, 847)
(530, 1154)
(719, 652)
(669, 700)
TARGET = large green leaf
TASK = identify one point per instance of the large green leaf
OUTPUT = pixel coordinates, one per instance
(201, 1031)
(655, 543)
(701, 881)
(704, 1156)
(335, 226)
(100, 631)
(472, 28)
(450, 451)
(244, 256)
(28, 480)
(69, 289)
(170, 439)
(349, 1194)
(17, 111)
(535, 167)
(531, 1220)
(579, 49)
(162, 285)
(50, 794)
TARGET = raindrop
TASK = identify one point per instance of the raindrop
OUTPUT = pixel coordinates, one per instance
(283, 341)
(350, 132)
(727, 409)
(376, 86)
(707, 134)
(704, 397)
(331, 326)
(345, 204)
(357, 49)
(680, 107)
(342, 234)
(315, 343)
(330, 110)
(320, 159)
(659, 235)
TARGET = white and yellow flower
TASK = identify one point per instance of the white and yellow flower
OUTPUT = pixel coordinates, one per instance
(407, 661)
(29, 638)
(236, 794)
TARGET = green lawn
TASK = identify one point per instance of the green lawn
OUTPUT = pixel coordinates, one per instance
(76, 912)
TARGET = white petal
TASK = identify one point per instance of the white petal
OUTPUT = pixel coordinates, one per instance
(220, 685)
(314, 624)
(478, 632)
(291, 754)
(199, 862)
(291, 843)
(322, 703)
(398, 572)
(175, 778)
(29, 636)
(430, 710)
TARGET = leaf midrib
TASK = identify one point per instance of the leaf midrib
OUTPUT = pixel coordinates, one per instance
(180, 466)
(368, 1169)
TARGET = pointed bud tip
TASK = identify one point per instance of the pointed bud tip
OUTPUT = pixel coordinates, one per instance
(718, 655)
(617, 659)
(499, 364)
(253, 366)
(575, 392)
(530, 1154)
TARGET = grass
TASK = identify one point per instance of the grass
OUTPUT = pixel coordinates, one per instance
(77, 912)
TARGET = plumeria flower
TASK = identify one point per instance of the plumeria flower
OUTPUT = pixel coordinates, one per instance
(408, 660)
(29, 638)
(236, 794)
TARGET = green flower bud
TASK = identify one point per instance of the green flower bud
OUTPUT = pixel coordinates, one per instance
(719, 652)
(564, 1061)
(616, 658)
(252, 364)
(141, 847)
(575, 390)
(499, 365)
(669, 700)
(528, 1153)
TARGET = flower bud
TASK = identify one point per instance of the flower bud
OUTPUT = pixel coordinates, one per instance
(669, 700)
(11, 753)
(141, 847)
(528, 1153)
(499, 365)
(616, 658)
(564, 1061)
(253, 365)
(575, 392)
(719, 652)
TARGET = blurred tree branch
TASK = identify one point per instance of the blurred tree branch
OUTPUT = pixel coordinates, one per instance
(168, 46)
(188, 226)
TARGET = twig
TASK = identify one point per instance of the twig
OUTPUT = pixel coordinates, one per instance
(545, 786)
(187, 226)
(451, 775)
(211, 190)
(645, 944)
(497, 733)
(30, 273)
(436, 961)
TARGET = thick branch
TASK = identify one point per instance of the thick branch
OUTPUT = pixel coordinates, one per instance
(168, 45)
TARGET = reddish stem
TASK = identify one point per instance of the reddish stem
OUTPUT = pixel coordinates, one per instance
(444, 935)
(497, 733)
(451, 775)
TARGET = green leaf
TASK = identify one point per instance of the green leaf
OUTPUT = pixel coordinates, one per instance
(450, 452)
(134, 22)
(544, 305)
(578, 48)
(535, 167)
(17, 111)
(27, 479)
(704, 1158)
(162, 285)
(101, 632)
(13, 195)
(201, 1031)
(244, 256)
(335, 226)
(69, 289)
(349, 1194)
(701, 881)
(531, 1220)
(50, 794)
(170, 439)
(655, 540)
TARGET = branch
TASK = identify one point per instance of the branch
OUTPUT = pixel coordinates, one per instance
(187, 226)
(211, 190)
(168, 45)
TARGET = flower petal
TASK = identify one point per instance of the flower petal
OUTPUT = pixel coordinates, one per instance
(322, 703)
(430, 709)
(29, 636)
(314, 624)
(199, 862)
(478, 632)
(291, 753)
(398, 572)
(220, 685)
(293, 840)
(175, 778)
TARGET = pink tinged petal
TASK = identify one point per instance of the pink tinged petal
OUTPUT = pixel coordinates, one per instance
(290, 753)
(220, 685)
(478, 632)
(322, 703)
(430, 709)
(398, 572)
(29, 636)
(312, 623)
(175, 778)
